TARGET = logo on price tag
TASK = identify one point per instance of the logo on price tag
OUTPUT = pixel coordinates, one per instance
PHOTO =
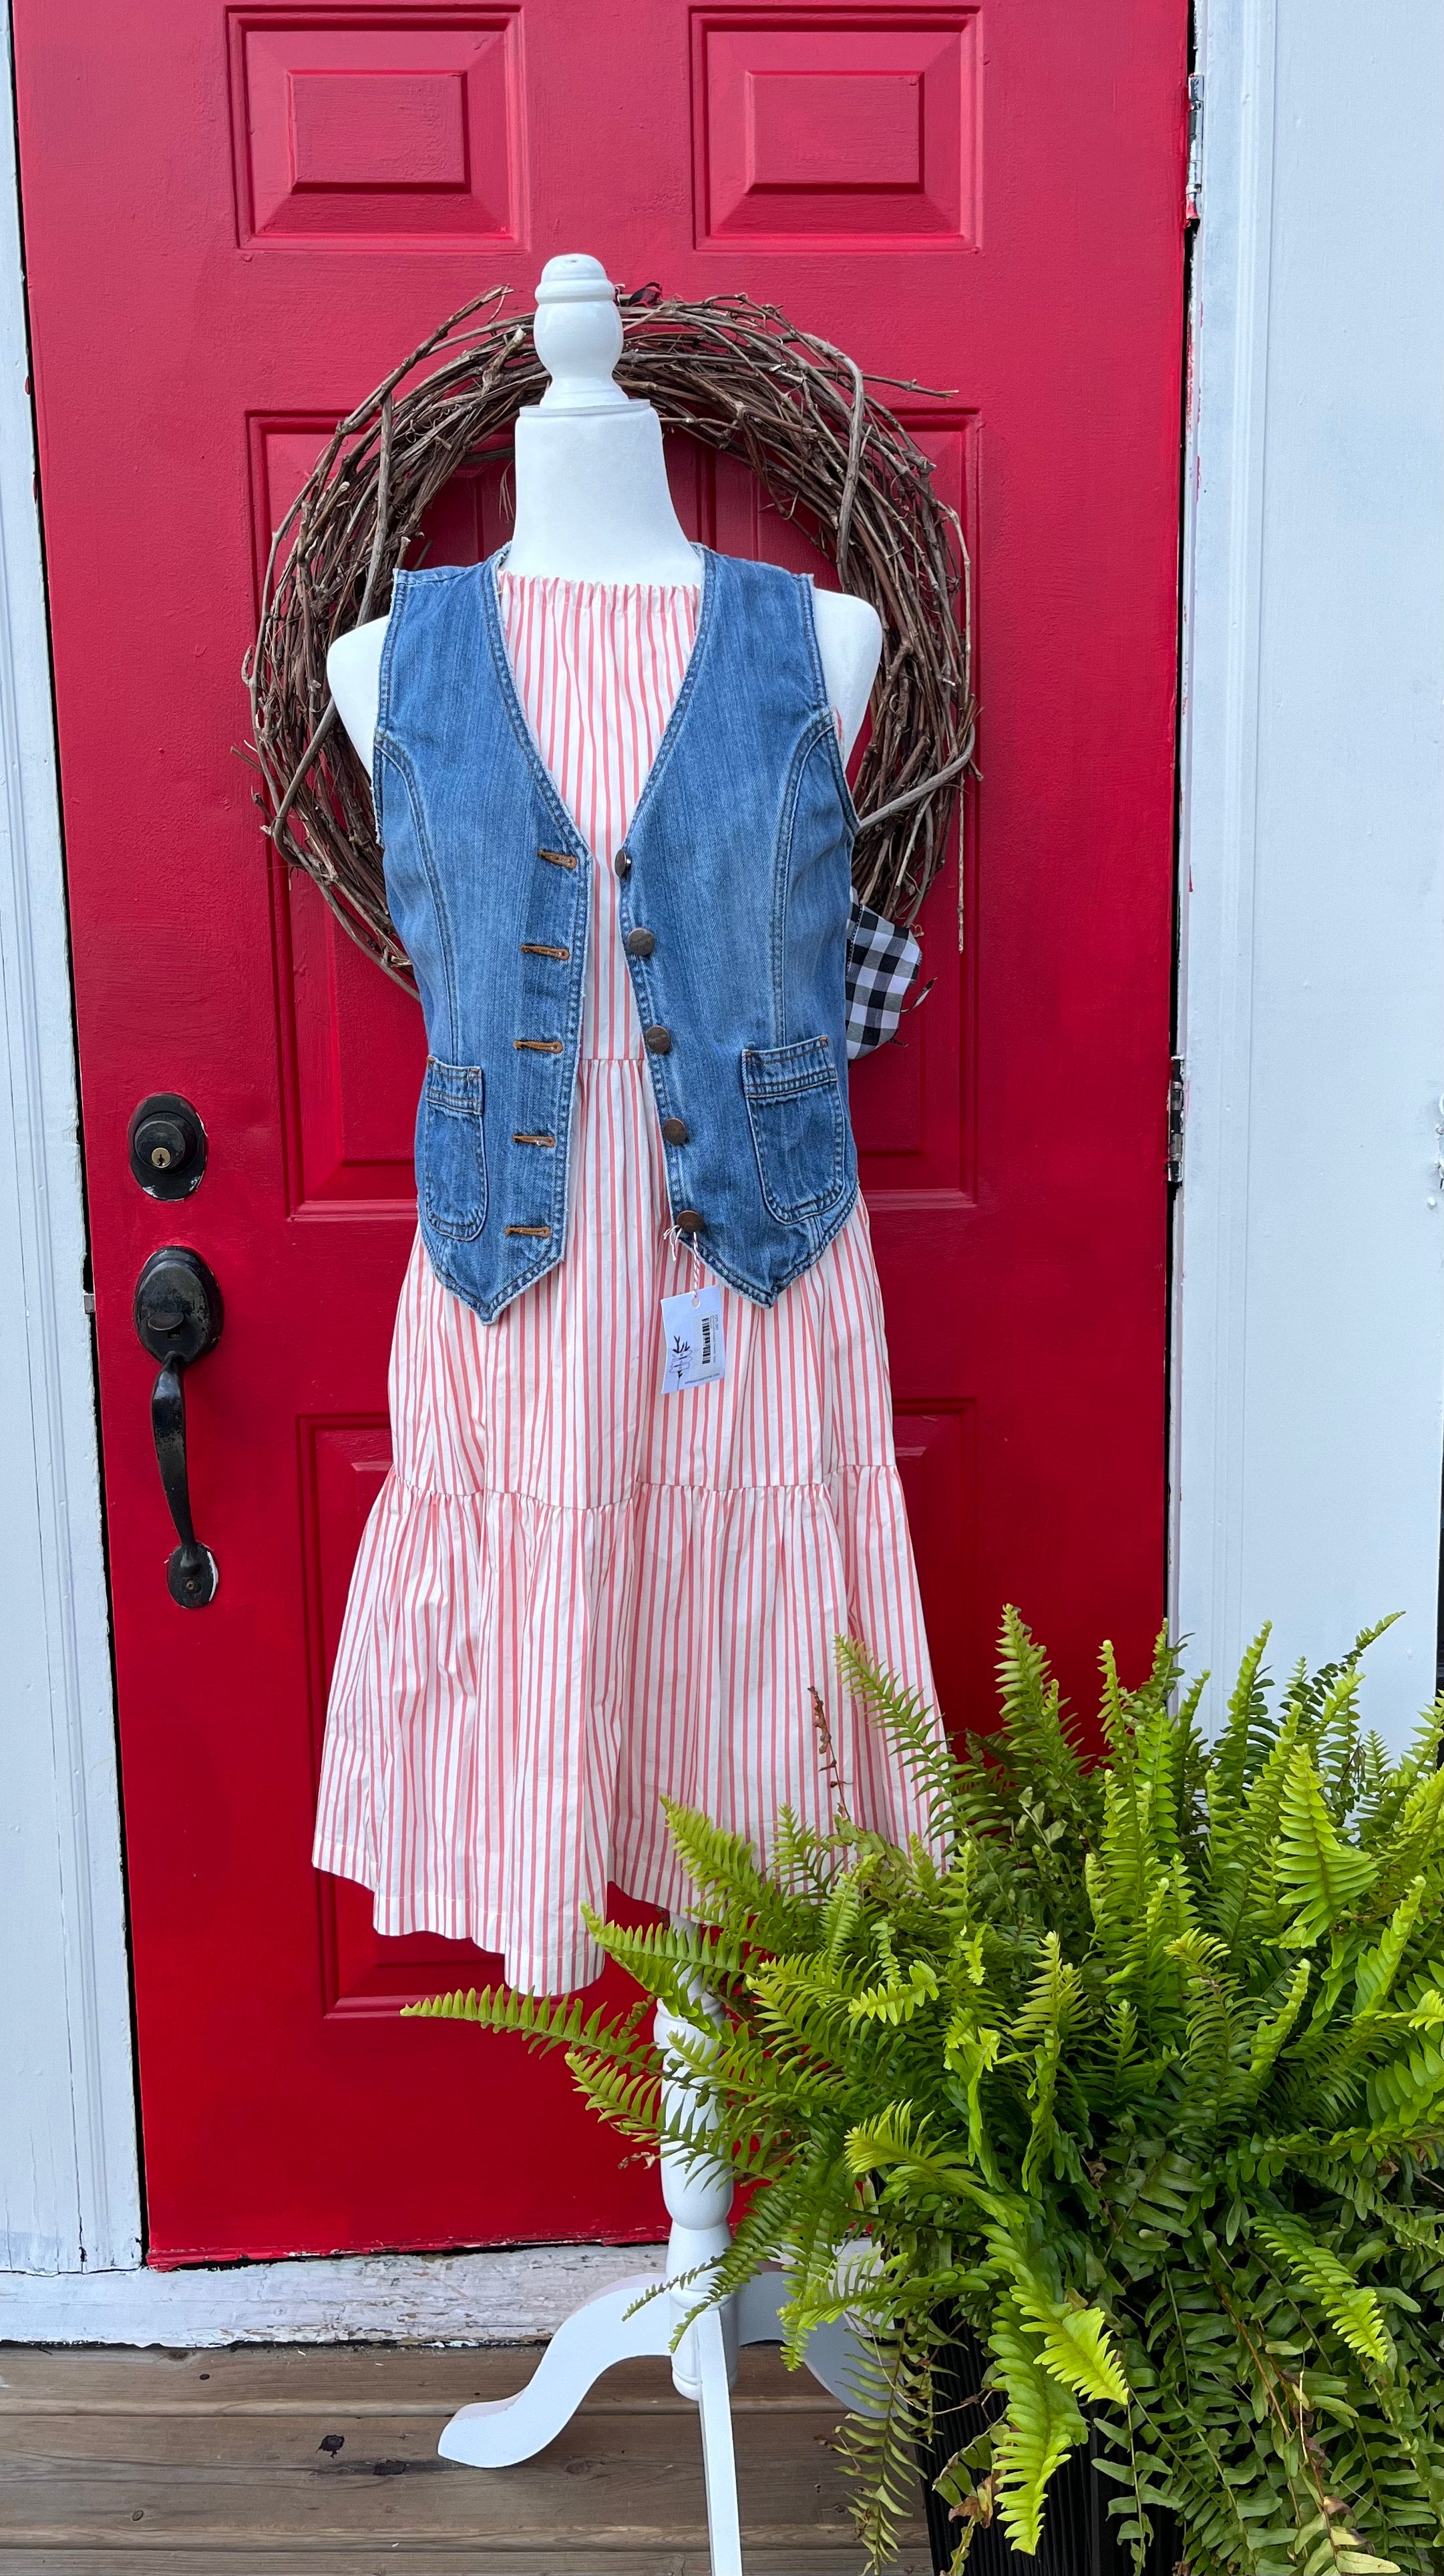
(695, 1353)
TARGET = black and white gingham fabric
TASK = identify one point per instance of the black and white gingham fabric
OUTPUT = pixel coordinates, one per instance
(881, 963)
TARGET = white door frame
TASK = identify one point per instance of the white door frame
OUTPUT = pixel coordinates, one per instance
(1309, 1310)
(69, 2176)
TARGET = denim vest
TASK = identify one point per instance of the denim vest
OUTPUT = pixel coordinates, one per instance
(735, 886)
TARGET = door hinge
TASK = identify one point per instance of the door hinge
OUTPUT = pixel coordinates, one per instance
(1177, 1109)
(1193, 177)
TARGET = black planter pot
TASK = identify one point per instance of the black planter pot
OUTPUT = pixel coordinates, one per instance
(1079, 2535)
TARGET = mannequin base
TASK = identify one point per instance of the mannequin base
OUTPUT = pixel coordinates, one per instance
(497, 2434)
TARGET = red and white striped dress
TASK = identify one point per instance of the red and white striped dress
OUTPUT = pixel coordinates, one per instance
(575, 1591)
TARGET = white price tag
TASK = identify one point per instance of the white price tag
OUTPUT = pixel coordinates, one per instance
(694, 1351)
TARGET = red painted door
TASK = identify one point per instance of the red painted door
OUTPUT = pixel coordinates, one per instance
(236, 218)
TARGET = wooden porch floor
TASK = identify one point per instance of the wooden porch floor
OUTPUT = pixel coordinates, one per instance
(229, 2464)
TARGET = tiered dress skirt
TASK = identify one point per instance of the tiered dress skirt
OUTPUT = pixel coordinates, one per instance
(576, 1592)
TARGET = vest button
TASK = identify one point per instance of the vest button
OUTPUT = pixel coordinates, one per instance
(691, 1221)
(657, 1040)
(622, 863)
(676, 1130)
(640, 943)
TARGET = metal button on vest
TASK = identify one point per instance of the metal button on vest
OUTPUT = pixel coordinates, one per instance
(676, 1131)
(691, 1221)
(622, 863)
(657, 1040)
(640, 943)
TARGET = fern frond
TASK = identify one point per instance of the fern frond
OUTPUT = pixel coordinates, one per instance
(1417, 1843)
(1073, 2342)
(1326, 1876)
(730, 1885)
(1376, 1969)
(1272, 2034)
(909, 1727)
(880, 2439)
(1354, 2313)
(1042, 2425)
(542, 2020)
(675, 1962)
(1244, 1740)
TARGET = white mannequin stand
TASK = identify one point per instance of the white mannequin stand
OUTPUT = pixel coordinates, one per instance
(592, 504)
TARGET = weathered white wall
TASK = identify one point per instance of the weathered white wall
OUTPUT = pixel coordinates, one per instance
(69, 2191)
(1309, 1380)
(502, 2297)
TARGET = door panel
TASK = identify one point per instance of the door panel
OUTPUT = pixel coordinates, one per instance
(236, 219)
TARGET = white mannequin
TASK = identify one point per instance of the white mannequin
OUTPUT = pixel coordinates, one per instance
(592, 503)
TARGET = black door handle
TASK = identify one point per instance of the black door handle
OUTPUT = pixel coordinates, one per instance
(178, 1318)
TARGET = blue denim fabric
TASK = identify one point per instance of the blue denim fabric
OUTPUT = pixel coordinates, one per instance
(740, 853)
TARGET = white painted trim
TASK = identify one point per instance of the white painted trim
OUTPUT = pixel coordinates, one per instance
(508, 2297)
(69, 2178)
(1219, 679)
(1309, 1343)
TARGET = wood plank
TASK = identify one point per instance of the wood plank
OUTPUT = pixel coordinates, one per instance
(265, 2373)
(324, 2456)
(271, 2378)
(216, 2460)
(367, 2381)
(763, 2559)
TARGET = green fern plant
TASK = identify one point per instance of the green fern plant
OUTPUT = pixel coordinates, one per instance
(1136, 2067)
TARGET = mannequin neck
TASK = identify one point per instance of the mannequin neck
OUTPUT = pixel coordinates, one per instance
(592, 500)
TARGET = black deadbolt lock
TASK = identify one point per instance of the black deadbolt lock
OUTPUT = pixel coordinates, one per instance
(167, 1146)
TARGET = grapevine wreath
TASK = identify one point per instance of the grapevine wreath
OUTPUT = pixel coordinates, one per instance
(742, 379)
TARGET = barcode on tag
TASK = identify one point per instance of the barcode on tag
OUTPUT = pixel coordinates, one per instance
(693, 1344)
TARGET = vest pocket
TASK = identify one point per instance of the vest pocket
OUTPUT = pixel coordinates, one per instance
(451, 1150)
(799, 1126)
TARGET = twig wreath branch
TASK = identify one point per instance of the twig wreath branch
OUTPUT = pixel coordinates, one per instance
(736, 375)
